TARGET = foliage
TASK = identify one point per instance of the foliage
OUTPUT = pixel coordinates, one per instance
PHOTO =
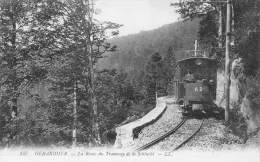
(208, 33)
(49, 40)
(23, 48)
(159, 73)
(170, 66)
(253, 90)
(189, 9)
(247, 35)
(237, 123)
(246, 27)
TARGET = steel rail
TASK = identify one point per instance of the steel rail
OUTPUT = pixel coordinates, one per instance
(155, 141)
(188, 139)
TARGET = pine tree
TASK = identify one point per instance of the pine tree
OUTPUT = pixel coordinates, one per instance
(85, 38)
(169, 63)
(27, 33)
(13, 70)
(153, 75)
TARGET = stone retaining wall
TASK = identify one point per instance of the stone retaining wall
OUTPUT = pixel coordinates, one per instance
(126, 133)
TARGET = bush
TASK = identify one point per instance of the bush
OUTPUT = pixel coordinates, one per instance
(237, 123)
(253, 90)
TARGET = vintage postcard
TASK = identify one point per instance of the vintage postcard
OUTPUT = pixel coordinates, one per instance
(130, 80)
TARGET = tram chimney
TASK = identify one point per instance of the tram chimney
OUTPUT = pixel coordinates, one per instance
(196, 47)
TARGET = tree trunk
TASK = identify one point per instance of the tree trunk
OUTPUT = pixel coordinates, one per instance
(74, 130)
(220, 28)
(227, 63)
(95, 125)
(232, 43)
(15, 95)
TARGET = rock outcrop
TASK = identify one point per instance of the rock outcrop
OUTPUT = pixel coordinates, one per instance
(241, 95)
(237, 85)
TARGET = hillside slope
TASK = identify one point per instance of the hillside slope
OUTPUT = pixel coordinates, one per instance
(134, 50)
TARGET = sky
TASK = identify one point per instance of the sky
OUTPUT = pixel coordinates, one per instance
(137, 15)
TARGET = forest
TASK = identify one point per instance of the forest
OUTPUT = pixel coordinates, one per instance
(53, 93)
(67, 79)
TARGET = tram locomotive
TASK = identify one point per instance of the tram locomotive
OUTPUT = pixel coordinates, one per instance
(196, 82)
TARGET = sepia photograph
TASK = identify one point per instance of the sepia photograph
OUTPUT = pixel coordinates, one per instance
(130, 80)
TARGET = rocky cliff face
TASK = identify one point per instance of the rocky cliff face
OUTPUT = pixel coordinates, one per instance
(240, 97)
(234, 90)
(252, 114)
(220, 99)
(248, 107)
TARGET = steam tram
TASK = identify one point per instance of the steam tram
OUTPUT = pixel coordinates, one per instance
(195, 84)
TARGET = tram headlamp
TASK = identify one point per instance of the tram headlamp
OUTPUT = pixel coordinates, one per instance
(198, 62)
(211, 82)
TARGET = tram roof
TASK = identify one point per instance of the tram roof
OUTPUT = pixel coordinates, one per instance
(195, 57)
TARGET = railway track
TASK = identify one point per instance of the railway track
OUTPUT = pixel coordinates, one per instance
(189, 138)
(155, 141)
(171, 132)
